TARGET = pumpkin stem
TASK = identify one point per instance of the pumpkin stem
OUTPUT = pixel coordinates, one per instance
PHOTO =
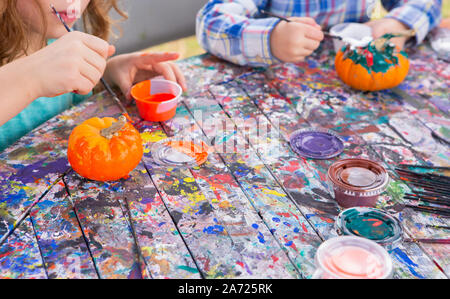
(114, 128)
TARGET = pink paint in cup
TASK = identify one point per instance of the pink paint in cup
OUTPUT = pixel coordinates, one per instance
(350, 257)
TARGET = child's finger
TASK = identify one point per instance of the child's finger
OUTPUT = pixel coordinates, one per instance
(154, 58)
(314, 33)
(311, 44)
(83, 86)
(179, 75)
(305, 20)
(96, 44)
(94, 59)
(111, 50)
(166, 70)
(91, 73)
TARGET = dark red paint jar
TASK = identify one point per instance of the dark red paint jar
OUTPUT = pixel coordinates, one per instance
(357, 182)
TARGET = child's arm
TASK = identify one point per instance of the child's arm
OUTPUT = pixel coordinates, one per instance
(420, 15)
(230, 30)
(75, 62)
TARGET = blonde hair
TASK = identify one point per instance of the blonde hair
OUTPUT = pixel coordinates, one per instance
(14, 31)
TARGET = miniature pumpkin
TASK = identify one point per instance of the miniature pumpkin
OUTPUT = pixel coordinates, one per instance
(371, 68)
(104, 149)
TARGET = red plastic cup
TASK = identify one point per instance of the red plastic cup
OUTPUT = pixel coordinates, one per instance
(156, 99)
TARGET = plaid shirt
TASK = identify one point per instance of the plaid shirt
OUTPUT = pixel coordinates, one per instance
(235, 30)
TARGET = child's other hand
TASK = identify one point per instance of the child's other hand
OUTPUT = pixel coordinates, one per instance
(293, 41)
(75, 62)
(388, 25)
(128, 69)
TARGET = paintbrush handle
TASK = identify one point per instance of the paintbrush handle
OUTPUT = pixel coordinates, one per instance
(437, 226)
(429, 241)
(274, 15)
(434, 201)
(428, 175)
(443, 199)
(425, 166)
(287, 20)
(430, 193)
(426, 209)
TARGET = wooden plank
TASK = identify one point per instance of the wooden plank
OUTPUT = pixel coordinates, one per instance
(430, 267)
(263, 255)
(20, 256)
(62, 244)
(207, 239)
(30, 168)
(280, 215)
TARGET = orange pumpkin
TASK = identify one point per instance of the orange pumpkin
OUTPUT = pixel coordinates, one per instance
(358, 76)
(104, 149)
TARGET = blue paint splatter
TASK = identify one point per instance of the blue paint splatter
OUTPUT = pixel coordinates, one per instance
(255, 226)
(404, 259)
(213, 230)
(275, 219)
(261, 238)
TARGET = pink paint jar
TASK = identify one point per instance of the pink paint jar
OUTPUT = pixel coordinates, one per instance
(350, 257)
(357, 182)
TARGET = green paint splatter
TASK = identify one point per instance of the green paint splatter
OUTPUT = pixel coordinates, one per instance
(396, 190)
(187, 268)
(381, 61)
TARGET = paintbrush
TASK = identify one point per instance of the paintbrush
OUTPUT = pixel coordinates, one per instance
(426, 182)
(420, 208)
(426, 175)
(431, 194)
(442, 199)
(433, 201)
(428, 179)
(105, 84)
(437, 226)
(425, 166)
(287, 20)
(429, 241)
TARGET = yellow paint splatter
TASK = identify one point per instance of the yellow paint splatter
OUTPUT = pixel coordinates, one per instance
(153, 136)
(273, 192)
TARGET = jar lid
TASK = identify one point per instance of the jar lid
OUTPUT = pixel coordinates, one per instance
(316, 143)
(370, 223)
(175, 152)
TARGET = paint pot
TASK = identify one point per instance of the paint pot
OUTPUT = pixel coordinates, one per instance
(316, 143)
(350, 257)
(440, 42)
(355, 34)
(156, 99)
(372, 224)
(174, 152)
(357, 182)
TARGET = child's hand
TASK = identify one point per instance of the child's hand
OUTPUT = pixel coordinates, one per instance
(127, 69)
(75, 62)
(293, 41)
(388, 25)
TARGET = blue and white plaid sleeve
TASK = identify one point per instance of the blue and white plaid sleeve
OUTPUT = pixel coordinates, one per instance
(227, 29)
(420, 15)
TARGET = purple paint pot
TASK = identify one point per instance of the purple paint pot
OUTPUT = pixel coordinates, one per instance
(357, 182)
(316, 143)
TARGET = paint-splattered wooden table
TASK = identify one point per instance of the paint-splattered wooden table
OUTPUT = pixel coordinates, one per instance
(258, 212)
